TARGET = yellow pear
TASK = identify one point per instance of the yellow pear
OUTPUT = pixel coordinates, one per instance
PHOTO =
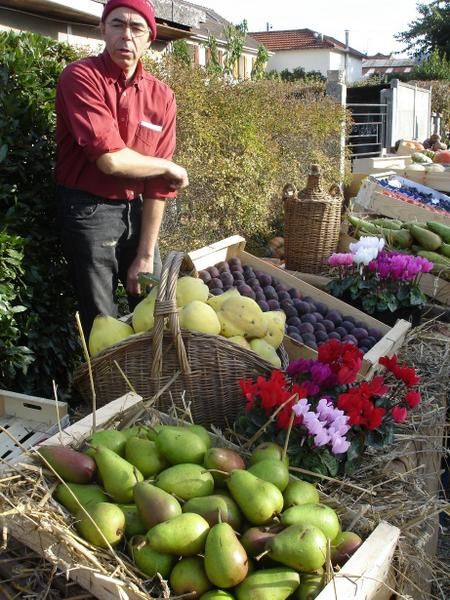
(199, 316)
(242, 316)
(216, 301)
(266, 351)
(107, 331)
(276, 321)
(239, 339)
(143, 317)
(189, 289)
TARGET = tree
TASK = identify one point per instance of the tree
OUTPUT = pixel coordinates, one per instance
(431, 31)
(434, 67)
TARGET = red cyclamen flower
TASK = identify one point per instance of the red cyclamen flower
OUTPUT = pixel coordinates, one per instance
(413, 398)
(399, 414)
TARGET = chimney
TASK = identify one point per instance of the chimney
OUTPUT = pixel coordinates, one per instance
(347, 36)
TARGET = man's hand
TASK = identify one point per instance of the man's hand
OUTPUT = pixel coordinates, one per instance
(176, 176)
(139, 265)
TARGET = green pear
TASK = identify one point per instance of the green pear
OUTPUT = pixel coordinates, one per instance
(215, 509)
(111, 438)
(259, 500)
(149, 561)
(109, 519)
(154, 505)
(72, 466)
(311, 584)
(276, 322)
(133, 522)
(188, 577)
(180, 445)
(268, 451)
(143, 318)
(203, 433)
(186, 481)
(302, 547)
(270, 584)
(141, 431)
(222, 459)
(226, 562)
(118, 476)
(199, 316)
(274, 471)
(184, 535)
(217, 594)
(144, 454)
(154, 430)
(84, 494)
(107, 331)
(300, 492)
(319, 515)
(238, 339)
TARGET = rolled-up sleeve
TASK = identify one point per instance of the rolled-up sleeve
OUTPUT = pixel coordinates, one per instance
(81, 101)
(157, 187)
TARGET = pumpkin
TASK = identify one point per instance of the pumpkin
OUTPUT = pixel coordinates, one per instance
(442, 157)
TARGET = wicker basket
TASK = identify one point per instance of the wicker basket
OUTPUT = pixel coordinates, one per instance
(210, 366)
(312, 223)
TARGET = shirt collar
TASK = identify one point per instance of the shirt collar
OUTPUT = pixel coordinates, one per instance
(114, 73)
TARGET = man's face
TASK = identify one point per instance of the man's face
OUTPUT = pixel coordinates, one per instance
(127, 37)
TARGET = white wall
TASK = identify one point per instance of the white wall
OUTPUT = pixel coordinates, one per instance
(320, 59)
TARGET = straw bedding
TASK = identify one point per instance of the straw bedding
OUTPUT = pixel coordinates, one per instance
(400, 486)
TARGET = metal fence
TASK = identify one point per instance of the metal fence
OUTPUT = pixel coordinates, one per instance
(367, 136)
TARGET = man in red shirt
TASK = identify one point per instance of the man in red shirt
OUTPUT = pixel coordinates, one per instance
(115, 136)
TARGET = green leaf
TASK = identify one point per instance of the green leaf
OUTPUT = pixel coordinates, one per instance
(416, 297)
(3, 152)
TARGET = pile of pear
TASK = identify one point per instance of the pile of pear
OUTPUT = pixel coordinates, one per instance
(231, 315)
(202, 518)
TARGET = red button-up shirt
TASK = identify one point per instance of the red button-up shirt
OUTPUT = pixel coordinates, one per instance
(98, 112)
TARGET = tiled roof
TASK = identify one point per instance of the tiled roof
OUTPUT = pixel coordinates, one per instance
(300, 39)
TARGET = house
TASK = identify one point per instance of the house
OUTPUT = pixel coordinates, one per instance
(76, 22)
(384, 64)
(311, 51)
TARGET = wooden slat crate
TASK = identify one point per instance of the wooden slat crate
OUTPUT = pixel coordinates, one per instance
(234, 246)
(371, 197)
(29, 420)
(366, 576)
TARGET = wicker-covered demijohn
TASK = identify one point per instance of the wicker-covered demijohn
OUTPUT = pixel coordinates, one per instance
(209, 366)
(312, 223)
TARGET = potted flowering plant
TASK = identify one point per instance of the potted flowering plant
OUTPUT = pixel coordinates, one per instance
(320, 413)
(383, 283)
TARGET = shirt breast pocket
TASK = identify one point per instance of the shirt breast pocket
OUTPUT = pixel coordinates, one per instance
(147, 137)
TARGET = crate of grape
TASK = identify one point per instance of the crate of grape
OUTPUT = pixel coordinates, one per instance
(116, 557)
(312, 316)
(393, 196)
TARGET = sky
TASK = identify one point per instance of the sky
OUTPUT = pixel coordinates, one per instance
(371, 23)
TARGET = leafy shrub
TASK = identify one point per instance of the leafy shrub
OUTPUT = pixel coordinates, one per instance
(241, 142)
(29, 67)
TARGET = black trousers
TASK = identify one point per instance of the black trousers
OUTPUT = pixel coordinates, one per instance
(100, 240)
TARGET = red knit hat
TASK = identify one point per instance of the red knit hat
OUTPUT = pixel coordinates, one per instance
(144, 7)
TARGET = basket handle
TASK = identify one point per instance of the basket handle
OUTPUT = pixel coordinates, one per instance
(166, 308)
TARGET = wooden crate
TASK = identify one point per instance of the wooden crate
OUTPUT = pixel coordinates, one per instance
(234, 246)
(371, 197)
(366, 576)
(29, 420)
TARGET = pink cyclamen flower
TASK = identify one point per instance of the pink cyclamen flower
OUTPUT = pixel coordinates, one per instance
(339, 444)
(340, 259)
(301, 407)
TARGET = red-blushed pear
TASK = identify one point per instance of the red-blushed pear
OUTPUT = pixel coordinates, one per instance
(343, 546)
(188, 577)
(72, 466)
(255, 539)
(154, 505)
(222, 459)
(226, 562)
